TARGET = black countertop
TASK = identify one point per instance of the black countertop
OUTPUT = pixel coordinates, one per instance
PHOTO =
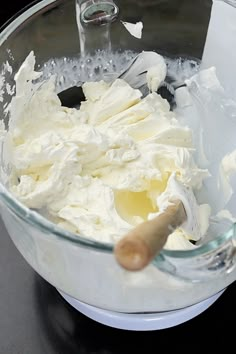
(34, 319)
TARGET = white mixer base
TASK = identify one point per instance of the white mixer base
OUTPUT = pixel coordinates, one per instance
(141, 322)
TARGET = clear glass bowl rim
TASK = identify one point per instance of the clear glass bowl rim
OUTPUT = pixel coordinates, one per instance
(48, 228)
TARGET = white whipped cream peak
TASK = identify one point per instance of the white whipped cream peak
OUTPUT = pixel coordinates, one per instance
(135, 29)
(156, 74)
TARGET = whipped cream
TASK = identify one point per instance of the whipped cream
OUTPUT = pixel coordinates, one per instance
(227, 172)
(100, 170)
(135, 29)
(156, 74)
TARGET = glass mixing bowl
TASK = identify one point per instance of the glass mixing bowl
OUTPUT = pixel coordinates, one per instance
(82, 268)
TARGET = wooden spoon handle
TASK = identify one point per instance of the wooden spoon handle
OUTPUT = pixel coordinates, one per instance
(137, 249)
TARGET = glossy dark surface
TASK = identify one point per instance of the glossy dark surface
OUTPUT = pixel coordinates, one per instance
(34, 319)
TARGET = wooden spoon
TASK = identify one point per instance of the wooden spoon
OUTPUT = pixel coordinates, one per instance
(138, 248)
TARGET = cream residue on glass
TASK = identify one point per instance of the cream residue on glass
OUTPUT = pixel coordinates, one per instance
(100, 170)
(135, 29)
